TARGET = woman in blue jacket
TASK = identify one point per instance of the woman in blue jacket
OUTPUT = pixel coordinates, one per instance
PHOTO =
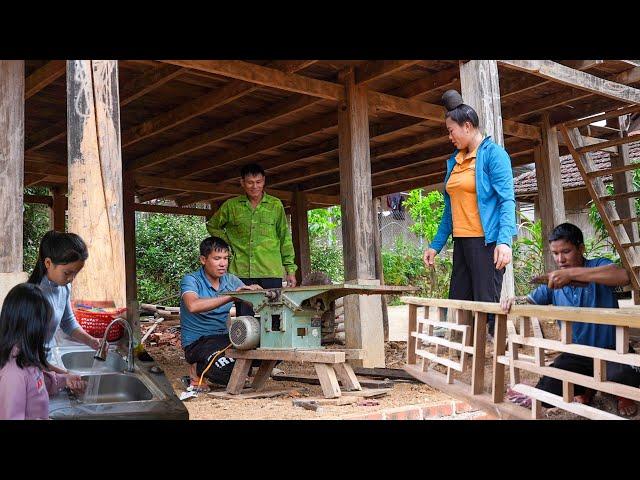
(479, 208)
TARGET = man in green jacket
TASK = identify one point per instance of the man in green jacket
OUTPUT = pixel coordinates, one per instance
(255, 226)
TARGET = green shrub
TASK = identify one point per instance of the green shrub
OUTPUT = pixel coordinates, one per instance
(328, 259)
(167, 248)
(35, 224)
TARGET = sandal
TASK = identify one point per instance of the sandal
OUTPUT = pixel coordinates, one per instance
(518, 398)
(627, 407)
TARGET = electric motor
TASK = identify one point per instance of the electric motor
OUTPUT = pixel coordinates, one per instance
(244, 332)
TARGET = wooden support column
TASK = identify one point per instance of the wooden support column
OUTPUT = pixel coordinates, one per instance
(550, 192)
(300, 235)
(377, 245)
(129, 227)
(11, 174)
(481, 90)
(95, 177)
(362, 314)
(623, 182)
(59, 209)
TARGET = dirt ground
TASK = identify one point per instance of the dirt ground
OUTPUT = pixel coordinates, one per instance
(170, 357)
(205, 407)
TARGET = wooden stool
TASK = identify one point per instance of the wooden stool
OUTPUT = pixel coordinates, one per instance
(329, 365)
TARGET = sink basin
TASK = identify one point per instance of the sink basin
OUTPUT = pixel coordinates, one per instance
(115, 388)
(83, 362)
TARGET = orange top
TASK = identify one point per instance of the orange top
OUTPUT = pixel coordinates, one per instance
(461, 187)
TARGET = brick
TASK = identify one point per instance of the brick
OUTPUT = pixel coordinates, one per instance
(462, 407)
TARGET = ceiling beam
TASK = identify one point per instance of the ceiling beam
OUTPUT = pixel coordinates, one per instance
(568, 76)
(43, 76)
(374, 70)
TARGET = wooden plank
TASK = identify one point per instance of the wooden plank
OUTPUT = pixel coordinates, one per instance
(313, 380)
(328, 380)
(59, 209)
(249, 394)
(95, 178)
(484, 401)
(444, 343)
(622, 340)
(599, 370)
(381, 68)
(148, 82)
(391, 373)
(263, 374)
(440, 360)
(550, 192)
(39, 199)
(265, 76)
(43, 76)
(146, 207)
(497, 387)
(575, 78)
(238, 376)
(363, 316)
(129, 232)
(12, 89)
(609, 143)
(572, 378)
(573, 407)
(411, 340)
(347, 377)
(447, 325)
(565, 332)
(629, 317)
(479, 344)
(618, 112)
(623, 182)
(315, 356)
(581, 64)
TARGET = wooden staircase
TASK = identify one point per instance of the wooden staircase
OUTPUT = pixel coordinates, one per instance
(580, 148)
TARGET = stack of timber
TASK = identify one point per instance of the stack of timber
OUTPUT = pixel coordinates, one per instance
(333, 324)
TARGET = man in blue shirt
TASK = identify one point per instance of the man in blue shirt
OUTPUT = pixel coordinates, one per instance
(596, 280)
(204, 312)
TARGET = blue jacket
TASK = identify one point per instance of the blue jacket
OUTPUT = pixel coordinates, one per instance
(496, 198)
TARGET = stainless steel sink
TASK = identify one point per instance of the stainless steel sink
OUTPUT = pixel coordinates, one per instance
(116, 387)
(83, 363)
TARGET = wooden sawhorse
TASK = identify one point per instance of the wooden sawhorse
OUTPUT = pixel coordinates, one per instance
(330, 366)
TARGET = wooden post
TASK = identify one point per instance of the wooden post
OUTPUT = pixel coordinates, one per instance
(59, 209)
(362, 314)
(413, 327)
(481, 90)
(11, 174)
(300, 235)
(377, 245)
(129, 226)
(550, 192)
(95, 177)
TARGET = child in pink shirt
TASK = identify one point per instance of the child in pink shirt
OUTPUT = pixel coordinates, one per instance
(25, 379)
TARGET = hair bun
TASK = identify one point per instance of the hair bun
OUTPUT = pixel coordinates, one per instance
(451, 99)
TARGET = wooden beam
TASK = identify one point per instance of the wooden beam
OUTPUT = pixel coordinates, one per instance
(575, 78)
(268, 77)
(147, 82)
(363, 315)
(228, 93)
(12, 91)
(151, 208)
(581, 64)
(550, 193)
(95, 177)
(300, 235)
(129, 233)
(39, 199)
(59, 209)
(377, 69)
(43, 76)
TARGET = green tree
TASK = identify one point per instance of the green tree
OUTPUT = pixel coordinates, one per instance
(36, 223)
(426, 212)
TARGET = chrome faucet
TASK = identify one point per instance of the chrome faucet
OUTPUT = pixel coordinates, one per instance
(101, 353)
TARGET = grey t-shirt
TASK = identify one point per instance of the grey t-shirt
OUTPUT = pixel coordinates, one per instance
(62, 314)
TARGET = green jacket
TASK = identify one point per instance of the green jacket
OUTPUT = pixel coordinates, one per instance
(260, 239)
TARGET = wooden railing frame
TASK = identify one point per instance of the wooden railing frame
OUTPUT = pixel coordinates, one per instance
(530, 335)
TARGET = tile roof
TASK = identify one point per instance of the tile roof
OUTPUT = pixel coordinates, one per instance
(526, 183)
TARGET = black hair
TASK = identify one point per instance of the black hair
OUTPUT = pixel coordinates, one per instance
(61, 248)
(457, 110)
(211, 244)
(568, 232)
(251, 169)
(24, 320)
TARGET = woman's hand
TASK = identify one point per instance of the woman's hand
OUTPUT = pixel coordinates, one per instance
(76, 384)
(94, 343)
(429, 257)
(502, 256)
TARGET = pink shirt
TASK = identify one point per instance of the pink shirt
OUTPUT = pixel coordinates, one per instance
(24, 392)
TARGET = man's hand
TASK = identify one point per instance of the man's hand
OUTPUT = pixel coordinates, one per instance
(502, 256)
(248, 287)
(291, 279)
(560, 278)
(429, 257)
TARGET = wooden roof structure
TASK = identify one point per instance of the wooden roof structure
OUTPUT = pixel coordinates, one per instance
(187, 126)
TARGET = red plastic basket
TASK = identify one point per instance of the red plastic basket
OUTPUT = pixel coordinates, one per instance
(95, 323)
